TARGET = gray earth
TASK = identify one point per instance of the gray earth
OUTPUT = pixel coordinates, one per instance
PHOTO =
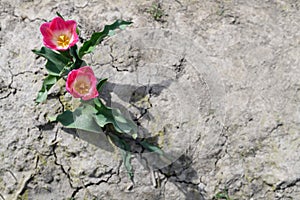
(217, 81)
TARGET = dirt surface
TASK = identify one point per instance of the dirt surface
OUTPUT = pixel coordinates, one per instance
(217, 81)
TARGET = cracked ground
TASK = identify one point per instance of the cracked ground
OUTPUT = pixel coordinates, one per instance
(217, 81)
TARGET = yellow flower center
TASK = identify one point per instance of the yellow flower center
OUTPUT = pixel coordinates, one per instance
(82, 87)
(63, 41)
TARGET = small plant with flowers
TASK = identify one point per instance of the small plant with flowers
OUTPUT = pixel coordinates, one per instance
(65, 63)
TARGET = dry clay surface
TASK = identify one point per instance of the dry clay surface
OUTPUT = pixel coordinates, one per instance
(217, 81)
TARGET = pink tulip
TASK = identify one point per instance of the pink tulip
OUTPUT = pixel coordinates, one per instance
(81, 83)
(59, 34)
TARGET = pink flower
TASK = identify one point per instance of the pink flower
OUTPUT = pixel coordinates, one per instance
(59, 34)
(81, 83)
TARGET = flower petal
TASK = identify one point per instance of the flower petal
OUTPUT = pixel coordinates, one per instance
(48, 35)
(71, 25)
(45, 30)
(49, 44)
(93, 94)
(86, 70)
(70, 80)
(58, 24)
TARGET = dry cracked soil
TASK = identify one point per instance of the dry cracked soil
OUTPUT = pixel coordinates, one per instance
(216, 81)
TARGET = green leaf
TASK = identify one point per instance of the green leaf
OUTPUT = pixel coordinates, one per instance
(125, 152)
(78, 62)
(151, 148)
(58, 14)
(77, 31)
(100, 84)
(49, 81)
(223, 195)
(53, 69)
(56, 61)
(82, 119)
(107, 115)
(66, 119)
(51, 118)
(97, 37)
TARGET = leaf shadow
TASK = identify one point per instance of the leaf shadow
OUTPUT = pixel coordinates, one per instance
(98, 139)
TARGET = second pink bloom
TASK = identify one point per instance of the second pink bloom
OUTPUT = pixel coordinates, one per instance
(81, 83)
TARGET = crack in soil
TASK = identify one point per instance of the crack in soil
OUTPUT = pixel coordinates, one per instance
(287, 184)
(179, 67)
(22, 17)
(224, 147)
(163, 187)
(112, 63)
(8, 87)
(27, 180)
(276, 127)
(54, 146)
(12, 90)
(144, 111)
(187, 182)
(66, 172)
(85, 186)
(113, 59)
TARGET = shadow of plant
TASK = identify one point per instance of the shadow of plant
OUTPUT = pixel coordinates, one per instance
(171, 164)
(181, 174)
